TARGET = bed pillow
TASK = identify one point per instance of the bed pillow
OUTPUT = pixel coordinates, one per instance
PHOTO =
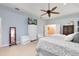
(76, 38)
(69, 37)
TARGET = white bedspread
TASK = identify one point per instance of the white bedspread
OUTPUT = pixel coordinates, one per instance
(57, 46)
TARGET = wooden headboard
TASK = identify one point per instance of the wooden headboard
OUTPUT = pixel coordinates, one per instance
(68, 29)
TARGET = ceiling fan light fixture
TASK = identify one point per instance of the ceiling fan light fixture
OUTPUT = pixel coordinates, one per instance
(50, 11)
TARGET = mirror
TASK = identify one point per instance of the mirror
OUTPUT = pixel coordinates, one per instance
(12, 36)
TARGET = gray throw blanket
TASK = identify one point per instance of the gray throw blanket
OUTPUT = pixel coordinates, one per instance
(76, 38)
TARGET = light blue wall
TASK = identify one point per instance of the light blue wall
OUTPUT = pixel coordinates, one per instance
(13, 18)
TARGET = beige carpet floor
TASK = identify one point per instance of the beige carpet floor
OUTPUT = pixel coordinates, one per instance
(19, 50)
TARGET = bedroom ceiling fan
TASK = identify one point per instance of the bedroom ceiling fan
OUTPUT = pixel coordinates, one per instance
(49, 11)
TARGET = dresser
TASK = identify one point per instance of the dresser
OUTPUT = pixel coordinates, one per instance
(68, 29)
(32, 32)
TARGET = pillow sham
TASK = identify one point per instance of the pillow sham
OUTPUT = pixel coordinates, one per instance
(70, 36)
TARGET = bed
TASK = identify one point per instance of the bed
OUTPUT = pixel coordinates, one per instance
(57, 45)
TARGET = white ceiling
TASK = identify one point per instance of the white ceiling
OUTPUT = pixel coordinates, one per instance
(34, 8)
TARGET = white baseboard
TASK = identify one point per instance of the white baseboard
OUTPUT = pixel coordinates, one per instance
(18, 42)
(5, 45)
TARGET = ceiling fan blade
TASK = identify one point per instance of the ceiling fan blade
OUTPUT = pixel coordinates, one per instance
(49, 15)
(55, 12)
(44, 10)
(53, 8)
(44, 14)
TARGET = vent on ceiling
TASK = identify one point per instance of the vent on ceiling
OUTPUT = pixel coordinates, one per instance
(17, 9)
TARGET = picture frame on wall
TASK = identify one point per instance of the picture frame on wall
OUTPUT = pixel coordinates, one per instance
(32, 21)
